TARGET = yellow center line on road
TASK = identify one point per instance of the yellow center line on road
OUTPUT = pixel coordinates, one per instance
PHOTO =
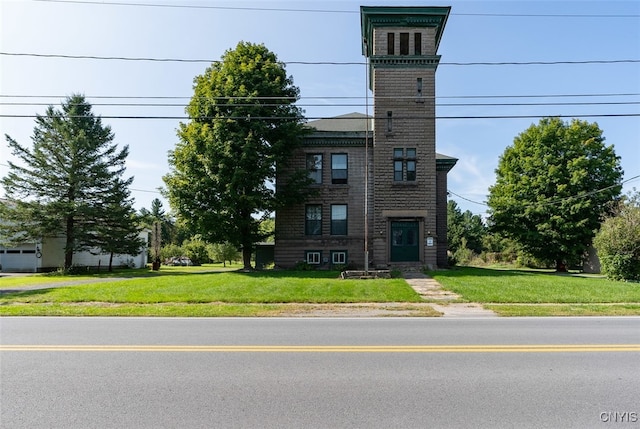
(524, 348)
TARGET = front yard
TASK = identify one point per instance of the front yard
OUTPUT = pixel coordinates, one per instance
(217, 291)
(511, 292)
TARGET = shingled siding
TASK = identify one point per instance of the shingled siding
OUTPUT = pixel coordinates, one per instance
(291, 241)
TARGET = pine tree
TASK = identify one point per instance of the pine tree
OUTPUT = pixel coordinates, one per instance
(69, 183)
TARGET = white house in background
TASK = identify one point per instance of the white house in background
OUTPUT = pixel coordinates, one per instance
(48, 255)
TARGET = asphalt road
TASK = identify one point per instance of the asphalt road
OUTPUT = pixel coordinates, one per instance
(319, 373)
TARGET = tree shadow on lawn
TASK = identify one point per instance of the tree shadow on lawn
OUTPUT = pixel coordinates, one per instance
(288, 274)
(70, 281)
(465, 271)
(22, 293)
(486, 272)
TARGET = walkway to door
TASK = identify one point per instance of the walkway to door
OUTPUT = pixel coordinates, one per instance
(431, 290)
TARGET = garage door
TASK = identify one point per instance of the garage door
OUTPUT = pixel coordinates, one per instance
(18, 260)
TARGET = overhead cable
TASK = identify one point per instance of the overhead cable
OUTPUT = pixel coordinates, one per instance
(241, 105)
(269, 118)
(395, 97)
(318, 63)
(268, 9)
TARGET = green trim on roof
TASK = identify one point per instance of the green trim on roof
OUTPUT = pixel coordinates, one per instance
(394, 16)
(412, 61)
(445, 163)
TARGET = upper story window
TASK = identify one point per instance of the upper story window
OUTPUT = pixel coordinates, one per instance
(404, 164)
(417, 43)
(338, 219)
(314, 167)
(339, 171)
(313, 219)
(404, 43)
(391, 44)
(389, 121)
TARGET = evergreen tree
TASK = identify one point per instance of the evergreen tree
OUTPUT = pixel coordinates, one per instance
(118, 230)
(68, 184)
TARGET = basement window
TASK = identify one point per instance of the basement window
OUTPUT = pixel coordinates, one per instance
(339, 257)
(313, 257)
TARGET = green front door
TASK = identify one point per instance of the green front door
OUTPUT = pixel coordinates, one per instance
(404, 242)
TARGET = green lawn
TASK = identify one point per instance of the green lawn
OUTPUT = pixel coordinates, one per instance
(7, 282)
(486, 285)
(169, 291)
(217, 291)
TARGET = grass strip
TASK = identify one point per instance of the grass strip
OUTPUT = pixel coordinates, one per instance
(212, 310)
(539, 310)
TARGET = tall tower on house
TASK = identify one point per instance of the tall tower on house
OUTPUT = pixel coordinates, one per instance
(401, 45)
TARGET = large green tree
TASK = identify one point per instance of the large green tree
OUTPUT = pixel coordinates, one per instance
(243, 124)
(553, 187)
(69, 183)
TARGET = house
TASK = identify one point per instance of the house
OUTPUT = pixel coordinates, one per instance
(48, 255)
(381, 188)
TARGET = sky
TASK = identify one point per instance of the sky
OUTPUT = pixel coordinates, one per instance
(480, 108)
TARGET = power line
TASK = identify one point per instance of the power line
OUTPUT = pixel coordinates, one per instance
(553, 201)
(176, 97)
(265, 9)
(239, 105)
(317, 63)
(466, 199)
(268, 118)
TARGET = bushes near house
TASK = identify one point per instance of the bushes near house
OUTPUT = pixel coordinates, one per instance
(618, 242)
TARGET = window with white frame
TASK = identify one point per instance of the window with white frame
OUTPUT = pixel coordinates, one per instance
(313, 257)
(339, 257)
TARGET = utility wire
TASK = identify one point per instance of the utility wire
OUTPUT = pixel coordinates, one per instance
(170, 97)
(269, 118)
(318, 63)
(234, 105)
(265, 9)
(466, 199)
(554, 201)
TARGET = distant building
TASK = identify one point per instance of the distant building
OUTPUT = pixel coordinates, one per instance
(398, 215)
(48, 255)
